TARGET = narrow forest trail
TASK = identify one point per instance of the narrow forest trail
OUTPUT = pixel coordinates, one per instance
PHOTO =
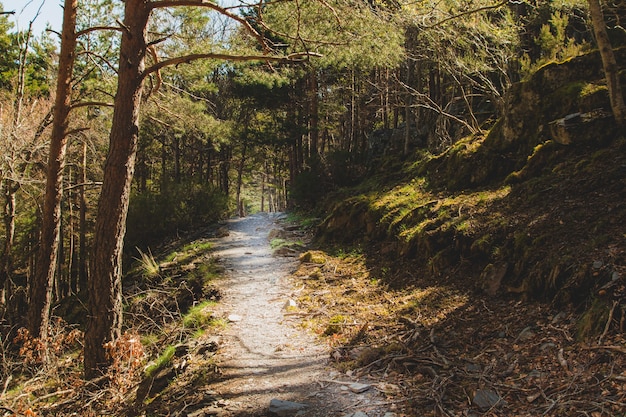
(264, 355)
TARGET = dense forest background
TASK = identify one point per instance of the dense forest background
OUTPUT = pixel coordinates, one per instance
(277, 106)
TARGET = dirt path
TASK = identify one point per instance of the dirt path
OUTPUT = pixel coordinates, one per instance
(263, 355)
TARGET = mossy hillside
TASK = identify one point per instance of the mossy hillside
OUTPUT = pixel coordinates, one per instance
(537, 222)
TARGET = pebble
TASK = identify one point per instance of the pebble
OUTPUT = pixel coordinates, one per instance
(358, 388)
(281, 408)
(486, 399)
(526, 334)
(234, 318)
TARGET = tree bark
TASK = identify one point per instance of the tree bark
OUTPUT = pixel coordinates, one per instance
(40, 290)
(312, 92)
(6, 259)
(242, 164)
(105, 284)
(609, 63)
(82, 251)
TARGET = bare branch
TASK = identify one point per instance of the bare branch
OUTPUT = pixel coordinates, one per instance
(92, 55)
(159, 79)
(468, 12)
(90, 103)
(75, 131)
(225, 57)
(83, 184)
(97, 28)
(213, 6)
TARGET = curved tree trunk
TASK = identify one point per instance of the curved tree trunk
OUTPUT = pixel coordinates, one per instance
(105, 284)
(611, 70)
(40, 290)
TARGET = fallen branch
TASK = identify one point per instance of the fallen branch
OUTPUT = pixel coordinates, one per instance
(619, 349)
(608, 322)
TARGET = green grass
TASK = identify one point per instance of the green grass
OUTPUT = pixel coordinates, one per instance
(147, 264)
(189, 251)
(199, 316)
(278, 243)
(161, 362)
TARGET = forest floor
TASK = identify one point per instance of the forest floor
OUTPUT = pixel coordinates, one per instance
(296, 331)
(316, 327)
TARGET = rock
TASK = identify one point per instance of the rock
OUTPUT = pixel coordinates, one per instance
(234, 318)
(547, 345)
(204, 412)
(274, 234)
(526, 334)
(359, 414)
(211, 346)
(286, 251)
(359, 388)
(486, 399)
(473, 368)
(290, 305)
(574, 126)
(222, 232)
(313, 257)
(281, 408)
(390, 415)
(491, 278)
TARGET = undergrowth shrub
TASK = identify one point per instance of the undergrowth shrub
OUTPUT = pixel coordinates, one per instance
(46, 354)
(127, 356)
(154, 215)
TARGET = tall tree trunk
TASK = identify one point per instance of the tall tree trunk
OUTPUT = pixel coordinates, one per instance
(314, 133)
(408, 110)
(242, 163)
(6, 259)
(40, 290)
(105, 284)
(82, 250)
(611, 70)
(224, 167)
(176, 146)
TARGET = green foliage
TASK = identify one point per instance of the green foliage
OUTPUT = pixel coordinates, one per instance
(553, 40)
(557, 31)
(346, 34)
(161, 362)
(177, 207)
(37, 60)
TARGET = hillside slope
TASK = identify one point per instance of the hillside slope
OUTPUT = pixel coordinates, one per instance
(536, 208)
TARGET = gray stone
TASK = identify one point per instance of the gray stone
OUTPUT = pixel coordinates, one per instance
(547, 345)
(473, 367)
(359, 414)
(359, 388)
(234, 318)
(486, 399)
(281, 408)
(526, 334)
